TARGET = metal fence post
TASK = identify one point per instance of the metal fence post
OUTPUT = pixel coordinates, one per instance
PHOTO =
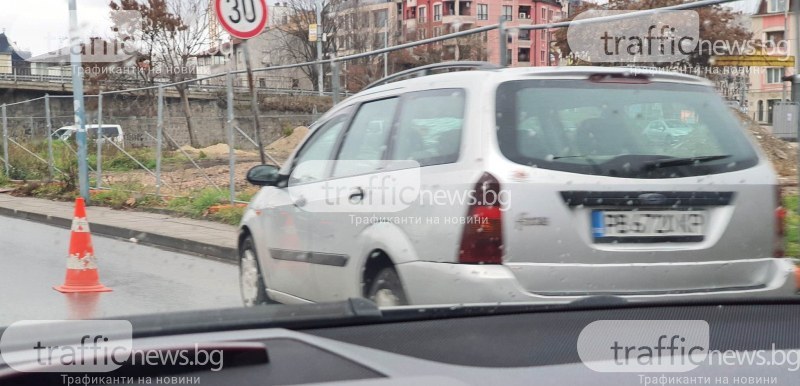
(232, 152)
(49, 124)
(5, 142)
(503, 42)
(159, 134)
(335, 81)
(100, 140)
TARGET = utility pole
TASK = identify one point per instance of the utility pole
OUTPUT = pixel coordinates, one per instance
(785, 37)
(319, 46)
(77, 96)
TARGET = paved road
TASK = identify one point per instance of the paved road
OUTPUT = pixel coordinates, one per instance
(144, 279)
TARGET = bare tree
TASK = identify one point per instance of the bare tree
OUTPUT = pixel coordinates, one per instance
(295, 44)
(172, 32)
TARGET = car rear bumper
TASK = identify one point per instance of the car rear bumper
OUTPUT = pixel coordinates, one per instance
(428, 283)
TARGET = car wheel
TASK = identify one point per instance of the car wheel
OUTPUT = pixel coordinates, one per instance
(386, 289)
(251, 280)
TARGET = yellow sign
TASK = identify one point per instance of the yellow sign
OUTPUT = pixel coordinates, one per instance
(312, 32)
(753, 61)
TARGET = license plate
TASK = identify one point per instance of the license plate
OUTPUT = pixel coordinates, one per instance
(650, 224)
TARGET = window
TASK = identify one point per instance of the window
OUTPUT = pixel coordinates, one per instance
(507, 12)
(524, 55)
(549, 14)
(318, 148)
(380, 16)
(524, 34)
(366, 139)
(422, 14)
(774, 6)
(262, 82)
(544, 13)
(437, 31)
(364, 20)
(579, 126)
(541, 57)
(760, 111)
(437, 12)
(774, 75)
(774, 37)
(508, 57)
(483, 11)
(429, 130)
(421, 34)
(541, 34)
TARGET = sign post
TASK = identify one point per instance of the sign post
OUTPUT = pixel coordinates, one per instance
(246, 19)
(77, 96)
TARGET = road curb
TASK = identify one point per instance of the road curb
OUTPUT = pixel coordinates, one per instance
(145, 238)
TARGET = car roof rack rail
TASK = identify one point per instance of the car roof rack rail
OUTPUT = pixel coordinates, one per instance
(426, 70)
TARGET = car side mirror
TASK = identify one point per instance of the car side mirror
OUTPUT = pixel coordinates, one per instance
(264, 175)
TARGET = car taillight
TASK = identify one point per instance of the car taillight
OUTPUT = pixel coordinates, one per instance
(482, 240)
(780, 223)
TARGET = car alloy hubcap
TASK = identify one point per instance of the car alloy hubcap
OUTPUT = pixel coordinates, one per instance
(249, 278)
(384, 297)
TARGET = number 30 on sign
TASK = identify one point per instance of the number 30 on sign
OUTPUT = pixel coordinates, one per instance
(243, 19)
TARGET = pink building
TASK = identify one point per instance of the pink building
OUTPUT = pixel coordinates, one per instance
(428, 18)
(766, 87)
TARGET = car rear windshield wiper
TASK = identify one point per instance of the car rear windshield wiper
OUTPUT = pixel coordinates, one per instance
(667, 162)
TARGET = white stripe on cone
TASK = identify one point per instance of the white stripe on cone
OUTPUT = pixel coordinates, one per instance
(86, 262)
(80, 225)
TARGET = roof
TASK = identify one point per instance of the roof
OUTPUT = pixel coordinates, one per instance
(568, 72)
(8, 48)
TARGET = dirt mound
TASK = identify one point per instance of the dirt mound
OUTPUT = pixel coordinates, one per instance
(783, 154)
(216, 151)
(284, 146)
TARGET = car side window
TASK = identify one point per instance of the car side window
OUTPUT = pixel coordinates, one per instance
(429, 127)
(318, 148)
(110, 131)
(366, 140)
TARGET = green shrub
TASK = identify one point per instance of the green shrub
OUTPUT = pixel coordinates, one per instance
(229, 215)
(206, 199)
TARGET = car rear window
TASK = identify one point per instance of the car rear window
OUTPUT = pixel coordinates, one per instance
(620, 130)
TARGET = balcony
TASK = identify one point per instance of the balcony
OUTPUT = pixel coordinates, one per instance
(411, 3)
(524, 19)
(458, 19)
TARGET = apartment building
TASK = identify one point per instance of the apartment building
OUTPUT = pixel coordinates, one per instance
(427, 18)
(768, 25)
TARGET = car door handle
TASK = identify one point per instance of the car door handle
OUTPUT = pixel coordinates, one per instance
(357, 195)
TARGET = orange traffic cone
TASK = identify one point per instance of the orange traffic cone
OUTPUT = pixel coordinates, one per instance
(82, 273)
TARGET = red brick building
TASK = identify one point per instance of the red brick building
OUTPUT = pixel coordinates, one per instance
(428, 18)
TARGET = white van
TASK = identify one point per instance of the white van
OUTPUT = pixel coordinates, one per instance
(112, 132)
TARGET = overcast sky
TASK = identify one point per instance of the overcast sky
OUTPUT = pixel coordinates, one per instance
(42, 25)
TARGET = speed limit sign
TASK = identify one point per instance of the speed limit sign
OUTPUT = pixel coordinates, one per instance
(243, 19)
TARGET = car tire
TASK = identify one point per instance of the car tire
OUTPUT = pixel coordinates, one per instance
(251, 279)
(387, 290)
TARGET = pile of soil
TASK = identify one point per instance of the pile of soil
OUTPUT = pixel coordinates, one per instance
(783, 154)
(282, 148)
(216, 151)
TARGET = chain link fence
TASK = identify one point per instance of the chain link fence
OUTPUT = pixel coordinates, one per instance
(190, 137)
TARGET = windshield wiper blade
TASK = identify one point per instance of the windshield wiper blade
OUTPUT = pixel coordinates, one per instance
(667, 162)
